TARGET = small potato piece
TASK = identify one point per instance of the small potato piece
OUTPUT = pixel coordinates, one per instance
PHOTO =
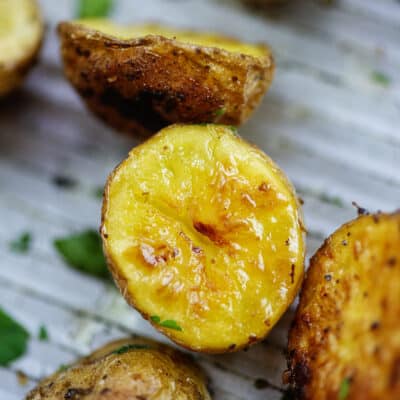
(21, 32)
(126, 369)
(142, 78)
(345, 338)
(203, 236)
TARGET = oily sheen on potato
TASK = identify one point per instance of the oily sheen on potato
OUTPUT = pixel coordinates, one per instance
(345, 339)
(142, 78)
(125, 369)
(203, 235)
(21, 32)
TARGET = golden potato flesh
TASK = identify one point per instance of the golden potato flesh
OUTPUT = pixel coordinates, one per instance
(21, 31)
(203, 236)
(142, 78)
(345, 339)
(126, 369)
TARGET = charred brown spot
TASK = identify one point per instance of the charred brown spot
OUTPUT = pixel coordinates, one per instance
(197, 250)
(86, 92)
(154, 256)
(292, 272)
(300, 375)
(252, 339)
(82, 52)
(210, 231)
(264, 187)
(232, 346)
(138, 108)
(391, 261)
(395, 373)
(76, 393)
(306, 318)
(375, 325)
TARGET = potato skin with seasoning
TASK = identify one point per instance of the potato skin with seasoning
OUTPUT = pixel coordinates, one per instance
(21, 33)
(145, 370)
(140, 84)
(203, 229)
(347, 325)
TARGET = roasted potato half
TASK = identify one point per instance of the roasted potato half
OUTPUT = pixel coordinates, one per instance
(127, 369)
(21, 32)
(345, 339)
(142, 78)
(203, 235)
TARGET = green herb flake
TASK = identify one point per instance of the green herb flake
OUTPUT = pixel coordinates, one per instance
(168, 323)
(21, 244)
(94, 8)
(234, 129)
(171, 324)
(344, 389)
(13, 339)
(128, 347)
(63, 367)
(83, 251)
(98, 192)
(380, 78)
(220, 112)
(156, 319)
(43, 334)
(334, 200)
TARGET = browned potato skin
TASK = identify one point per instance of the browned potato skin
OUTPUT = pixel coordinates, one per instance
(156, 373)
(12, 76)
(347, 324)
(141, 85)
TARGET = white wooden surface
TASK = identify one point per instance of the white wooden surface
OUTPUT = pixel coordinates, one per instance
(326, 121)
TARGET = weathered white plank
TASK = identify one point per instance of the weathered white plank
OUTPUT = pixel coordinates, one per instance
(329, 125)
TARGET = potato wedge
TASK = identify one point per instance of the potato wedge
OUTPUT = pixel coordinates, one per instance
(203, 235)
(126, 369)
(21, 33)
(140, 79)
(345, 339)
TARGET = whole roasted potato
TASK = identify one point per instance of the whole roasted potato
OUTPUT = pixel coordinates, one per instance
(345, 339)
(142, 78)
(21, 32)
(123, 370)
(203, 235)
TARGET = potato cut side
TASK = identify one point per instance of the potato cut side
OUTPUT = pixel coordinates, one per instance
(127, 369)
(21, 32)
(125, 32)
(346, 334)
(203, 235)
(142, 78)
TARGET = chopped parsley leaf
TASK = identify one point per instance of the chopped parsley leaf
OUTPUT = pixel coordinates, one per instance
(380, 78)
(13, 339)
(43, 335)
(128, 347)
(168, 323)
(83, 251)
(94, 8)
(22, 244)
(344, 389)
(220, 112)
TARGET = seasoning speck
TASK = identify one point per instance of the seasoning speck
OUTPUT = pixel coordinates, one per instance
(261, 384)
(64, 182)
